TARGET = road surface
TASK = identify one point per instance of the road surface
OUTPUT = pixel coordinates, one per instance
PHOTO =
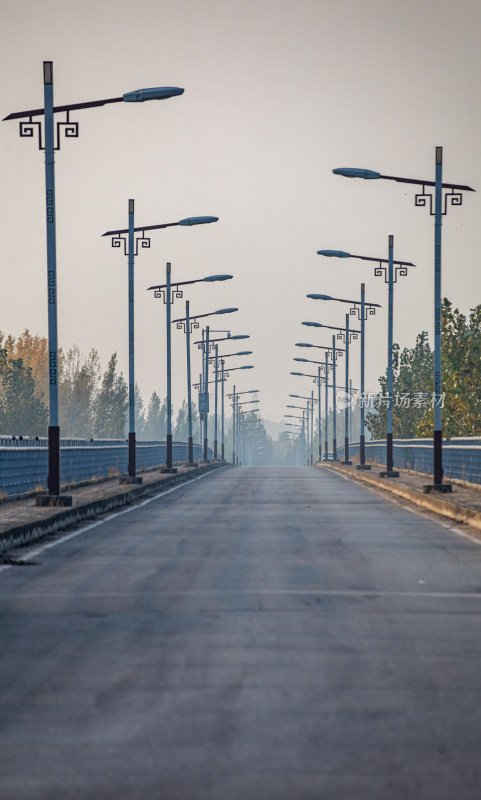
(258, 634)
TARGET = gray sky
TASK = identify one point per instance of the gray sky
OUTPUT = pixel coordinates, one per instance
(277, 94)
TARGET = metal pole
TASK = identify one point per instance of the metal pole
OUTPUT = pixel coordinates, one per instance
(326, 399)
(131, 468)
(201, 384)
(311, 450)
(215, 400)
(362, 438)
(389, 447)
(189, 387)
(206, 391)
(53, 478)
(233, 427)
(334, 408)
(169, 371)
(222, 409)
(438, 433)
(238, 429)
(319, 428)
(346, 410)
(350, 409)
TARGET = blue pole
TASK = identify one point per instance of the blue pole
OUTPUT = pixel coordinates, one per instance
(319, 427)
(389, 442)
(202, 391)
(222, 409)
(311, 451)
(206, 390)
(215, 400)
(53, 478)
(334, 409)
(233, 427)
(189, 386)
(169, 371)
(438, 434)
(132, 465)
(362, 438)
(326, 400)
(346, 410)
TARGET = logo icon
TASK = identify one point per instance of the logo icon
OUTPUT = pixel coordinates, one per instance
(343, 400)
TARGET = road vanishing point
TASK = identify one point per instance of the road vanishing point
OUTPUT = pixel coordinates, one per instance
(258, 633)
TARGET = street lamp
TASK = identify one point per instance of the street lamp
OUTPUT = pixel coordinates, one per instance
(390, 274)
(362, 309)
(452, 197)
(167, 292)
(334, 352)
(188, 324)
(51, 142)
(216, 359)
(130, 241)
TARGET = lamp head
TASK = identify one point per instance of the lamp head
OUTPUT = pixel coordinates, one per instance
(160, 93)
(350, 172)
(226, 310)
(212, 278)
(320, 296)
(334, 253)
(197, 220)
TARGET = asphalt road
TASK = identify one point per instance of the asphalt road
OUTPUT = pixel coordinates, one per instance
(258, 634)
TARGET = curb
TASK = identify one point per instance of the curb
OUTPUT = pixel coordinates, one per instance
(31, 531)
(427, 501)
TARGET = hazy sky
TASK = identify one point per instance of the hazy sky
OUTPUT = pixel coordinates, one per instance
(277, 94)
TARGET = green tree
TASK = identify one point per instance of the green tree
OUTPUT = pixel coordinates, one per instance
(461, 365)
(111, 404)
(181, 428)
(22, 411)
(156, 421)
(139, 414)
(412, 391)
(77, 391)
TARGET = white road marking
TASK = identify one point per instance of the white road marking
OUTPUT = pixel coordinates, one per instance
(257, 592)
(48, 545)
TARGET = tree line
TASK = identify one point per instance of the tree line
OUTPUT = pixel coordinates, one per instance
(413, 386)
(92, 403)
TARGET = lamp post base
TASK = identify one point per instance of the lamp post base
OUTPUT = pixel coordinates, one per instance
(168, 470)
(389, 473)
(363, 466)
(444, 488)
(53, 500)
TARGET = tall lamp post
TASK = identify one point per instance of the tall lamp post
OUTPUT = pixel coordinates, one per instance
(130, 238)
(167, 292)
(391, 272)
(362, 309)
(235, 396)
(29, 127)
(188, 324)
(453, 196)
(334, 352)
(216, 381)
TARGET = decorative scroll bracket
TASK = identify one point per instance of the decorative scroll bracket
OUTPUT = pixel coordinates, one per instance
(452, 198)
(29, 128)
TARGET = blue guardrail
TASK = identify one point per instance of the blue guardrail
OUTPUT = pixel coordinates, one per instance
(461, 457)
(24, 461)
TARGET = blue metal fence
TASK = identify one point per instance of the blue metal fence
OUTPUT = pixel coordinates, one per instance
(461, 457)
(24, 461)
